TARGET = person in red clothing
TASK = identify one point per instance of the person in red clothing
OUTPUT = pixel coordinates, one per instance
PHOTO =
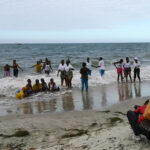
(136, 118)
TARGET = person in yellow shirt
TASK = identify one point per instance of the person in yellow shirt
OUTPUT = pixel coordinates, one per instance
(38, 67)
(37, 87)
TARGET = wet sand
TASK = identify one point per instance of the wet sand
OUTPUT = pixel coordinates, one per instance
(98, 98)
(75, 130)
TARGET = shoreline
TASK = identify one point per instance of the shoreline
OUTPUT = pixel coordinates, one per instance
(88, 129)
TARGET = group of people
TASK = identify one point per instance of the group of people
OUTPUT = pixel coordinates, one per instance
(65, 70)
(37, 87)
(125, 67)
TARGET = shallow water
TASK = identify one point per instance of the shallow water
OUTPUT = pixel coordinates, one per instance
(27, 55)
(98, 98)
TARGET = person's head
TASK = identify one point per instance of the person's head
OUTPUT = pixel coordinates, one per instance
(46, 59)
(136, 59)
(37, 81)
(62, 61)
(127, 59)
(42, 80)
(67, 62)
(14, 61)
(29, 81)
(51, 80)
(83, 64)
(121, 61)
(100, 58)
(88, 59)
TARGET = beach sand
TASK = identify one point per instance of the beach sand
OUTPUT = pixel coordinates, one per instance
(75, 130)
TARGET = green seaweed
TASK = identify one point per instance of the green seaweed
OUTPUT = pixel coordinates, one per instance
(74, 133)
(113, 120)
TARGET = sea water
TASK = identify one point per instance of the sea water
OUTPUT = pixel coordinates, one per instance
(27, 55)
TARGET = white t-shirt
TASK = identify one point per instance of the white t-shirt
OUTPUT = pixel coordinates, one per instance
(89, 65)
(47, 67)
(127, 65)
(102, 65)
(67, 68)
(61, 67)
(137, 65)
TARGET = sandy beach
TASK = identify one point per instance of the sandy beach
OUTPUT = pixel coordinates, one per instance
(76, 130)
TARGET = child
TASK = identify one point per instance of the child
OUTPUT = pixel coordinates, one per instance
(52, 86)
(6, 70)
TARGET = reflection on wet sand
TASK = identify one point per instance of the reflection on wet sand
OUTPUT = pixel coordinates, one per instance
(67, 101)
(87, 100)
(97, 98)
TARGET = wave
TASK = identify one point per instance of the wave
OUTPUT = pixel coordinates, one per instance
(10, 85)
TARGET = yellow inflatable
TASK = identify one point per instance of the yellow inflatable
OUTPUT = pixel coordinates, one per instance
(22, 93)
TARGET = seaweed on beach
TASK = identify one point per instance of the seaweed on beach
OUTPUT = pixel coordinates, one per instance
(20, 133)
(74, 133)
(113, 120)
(118, 112)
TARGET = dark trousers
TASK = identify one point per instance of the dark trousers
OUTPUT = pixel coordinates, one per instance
(15, 72)
(137, 73)
(137, 128)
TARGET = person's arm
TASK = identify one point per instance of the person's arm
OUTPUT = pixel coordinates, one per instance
(53, 86)
(58, 73)
(94, 66)
(115, 64)
(20, 67)
(32, 66)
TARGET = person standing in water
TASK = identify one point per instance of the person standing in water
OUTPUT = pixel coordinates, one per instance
(89, 65)
(47, 68)
(15, 68)
(84, 71)
(119, 67)
(61, 69)
(101, 66)
(137, 66)
(38, 67)
(47, 62)
(6, 70)
(69, 74)
(127, 69)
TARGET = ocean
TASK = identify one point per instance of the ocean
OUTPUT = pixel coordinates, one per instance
(27, 55)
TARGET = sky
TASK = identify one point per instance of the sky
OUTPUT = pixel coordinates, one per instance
(74, 21)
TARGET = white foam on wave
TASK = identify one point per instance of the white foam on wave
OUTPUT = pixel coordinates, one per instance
(10, 85)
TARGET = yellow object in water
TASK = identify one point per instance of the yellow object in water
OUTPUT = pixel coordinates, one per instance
(20, 95)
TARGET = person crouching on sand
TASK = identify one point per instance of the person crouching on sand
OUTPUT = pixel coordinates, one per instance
(137, 66)
(119, 67)
(84, 71)
(52, 86)
(37, 87)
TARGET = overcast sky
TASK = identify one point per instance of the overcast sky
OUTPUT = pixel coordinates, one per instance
(47, 21)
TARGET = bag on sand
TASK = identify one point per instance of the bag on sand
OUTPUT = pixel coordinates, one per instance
(146, 114)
